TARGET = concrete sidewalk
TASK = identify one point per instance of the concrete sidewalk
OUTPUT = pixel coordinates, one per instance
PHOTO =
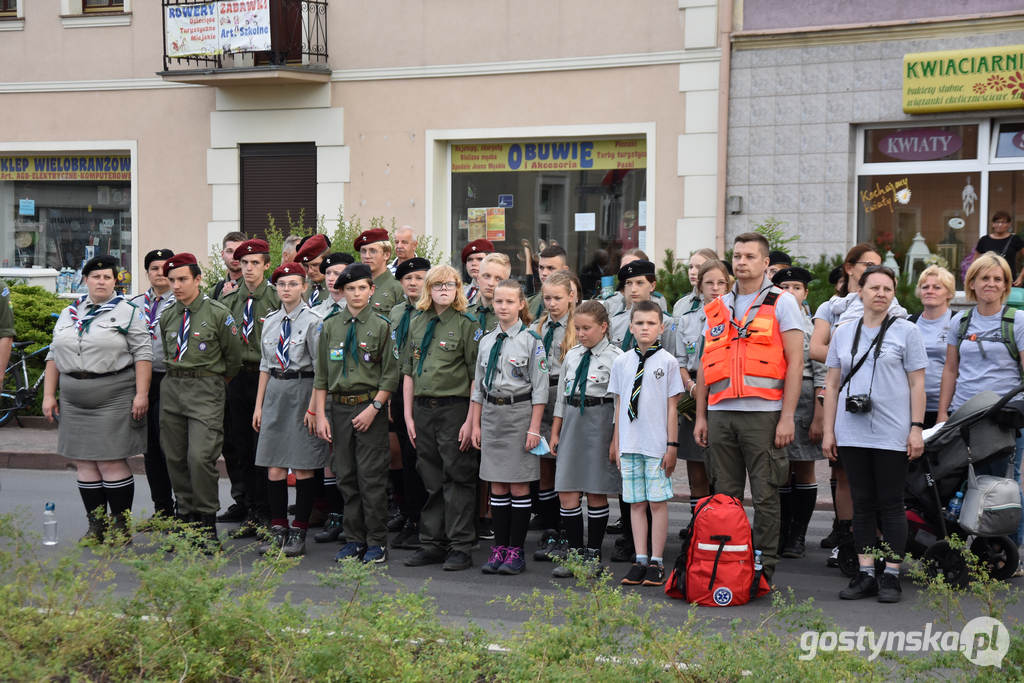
(34, 447)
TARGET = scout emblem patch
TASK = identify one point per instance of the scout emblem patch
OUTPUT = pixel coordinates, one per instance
(394, 352)
(516, 371)
(477, 335)
(202, 346)
(659, 373)
(717, 330)
(366, 357)
(228, 321)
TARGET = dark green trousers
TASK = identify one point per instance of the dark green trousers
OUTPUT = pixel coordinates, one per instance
(360, 461)
(191, 435)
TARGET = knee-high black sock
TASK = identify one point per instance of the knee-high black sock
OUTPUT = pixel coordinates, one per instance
(572, 525)
(332, 494)
(597, 522)
(94, 497)
(277, 502)
(549, 508)
(501, 512)
(305, 491)
(519, 522)
(397, 484)
(120, 494)
(805, 496)
(627, 523)
(832, 486)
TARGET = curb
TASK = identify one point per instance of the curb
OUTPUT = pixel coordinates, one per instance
(51, 461)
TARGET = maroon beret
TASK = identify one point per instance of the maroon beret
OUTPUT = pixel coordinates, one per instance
(476, 247)
(250, 247)
(370, 237)
(312, 246)
(179, 260)
(290, 268)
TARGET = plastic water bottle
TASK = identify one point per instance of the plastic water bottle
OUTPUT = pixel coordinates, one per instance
(955, 503)
(758, 567)
(49, 525)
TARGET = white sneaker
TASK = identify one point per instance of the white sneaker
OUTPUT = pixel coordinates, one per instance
(833, 558)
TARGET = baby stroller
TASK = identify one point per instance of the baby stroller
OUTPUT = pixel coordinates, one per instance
(981, 430)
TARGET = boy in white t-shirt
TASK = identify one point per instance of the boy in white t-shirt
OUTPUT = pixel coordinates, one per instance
(647, 386)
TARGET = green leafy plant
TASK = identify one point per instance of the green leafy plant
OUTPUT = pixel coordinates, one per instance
(673, 279)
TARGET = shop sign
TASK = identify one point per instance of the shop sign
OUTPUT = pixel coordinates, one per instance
(65, 167)
(213, 28)
(960, 80)
(920, 144)
(575, 155)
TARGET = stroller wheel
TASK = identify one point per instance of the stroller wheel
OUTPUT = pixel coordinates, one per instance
(998, 554)
(941, 560)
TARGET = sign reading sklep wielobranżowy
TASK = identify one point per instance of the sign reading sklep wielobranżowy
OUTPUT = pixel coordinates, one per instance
(213, 28)
(959, 80)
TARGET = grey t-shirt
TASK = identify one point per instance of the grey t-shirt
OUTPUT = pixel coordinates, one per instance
(790, 317)
(887, 425)
(985, 362)
(841, 309)
(933, 334)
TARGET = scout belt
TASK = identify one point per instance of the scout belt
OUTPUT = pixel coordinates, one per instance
(433, 401)
(290, 374)
(95, 375)
(251, 366)
(589, 401)
(352, 399)
(508, 400)
(175, 372)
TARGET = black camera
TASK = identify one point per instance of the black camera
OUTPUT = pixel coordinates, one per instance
(860, 403)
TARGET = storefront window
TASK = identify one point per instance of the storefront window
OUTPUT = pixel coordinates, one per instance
(1011, 140)
(59, 211)
(589, 196)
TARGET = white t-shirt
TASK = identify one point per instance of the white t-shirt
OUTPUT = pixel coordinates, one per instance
(985, 364)
(789, 316)
(933, 334)
(887, 425)
(649, 433)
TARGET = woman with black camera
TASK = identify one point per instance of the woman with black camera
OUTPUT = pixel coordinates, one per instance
(875, 437)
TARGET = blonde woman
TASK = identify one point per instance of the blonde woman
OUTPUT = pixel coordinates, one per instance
(935, 289)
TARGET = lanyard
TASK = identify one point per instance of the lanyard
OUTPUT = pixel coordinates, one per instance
(876, 343)
(741, 331)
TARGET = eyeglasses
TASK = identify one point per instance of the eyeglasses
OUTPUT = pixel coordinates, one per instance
(286, 284)
(438, 286)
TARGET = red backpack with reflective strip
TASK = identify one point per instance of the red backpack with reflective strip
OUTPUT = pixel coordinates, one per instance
(716, 565)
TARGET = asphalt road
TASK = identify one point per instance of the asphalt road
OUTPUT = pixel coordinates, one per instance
(467, 595)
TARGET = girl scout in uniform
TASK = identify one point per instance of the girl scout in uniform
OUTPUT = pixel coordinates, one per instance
(282, 416)
(438, 362)
(556, 332)
(510, 391)
(101, 357)
(582, 433)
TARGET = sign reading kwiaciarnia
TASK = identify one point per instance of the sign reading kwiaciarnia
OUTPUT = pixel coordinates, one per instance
(528, 155)
(65, 167)
(213, 28)
(957, 80)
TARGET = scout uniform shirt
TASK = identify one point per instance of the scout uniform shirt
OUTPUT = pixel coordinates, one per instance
(114, 339)
(401, 317)
(315, 294)
(444, 365)
(618, 331)
(690, 334)
(328, 306)
(302, 340)
(388, 292)
(522, 366)
(472, 292)
(153, 306)
(361, 363)
(6, 317)
(211, 344)
(535, 304)
(551, 335)
(597, 376)
(484, 316)
(249, 317)
(616, 301)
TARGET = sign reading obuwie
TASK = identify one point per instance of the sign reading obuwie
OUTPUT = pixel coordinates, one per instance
(959, 80)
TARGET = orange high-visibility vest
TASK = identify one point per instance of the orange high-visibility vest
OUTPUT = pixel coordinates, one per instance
(744, 358)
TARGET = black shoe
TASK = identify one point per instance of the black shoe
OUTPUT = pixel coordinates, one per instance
(548, 542)
(795, 548)
(295, 544)
(655, 575)
(249, 528)
(636, 575)
(485, 529)
(408, 538)
(209, 542)
(889, 588)
(396, 521)
(622, 552)
(565, 553)
(615, 527)
(423, 557)
(861, 586)
(332, 529)
(457, 561)
(234, 514)
(832, 540)
(277, 537)
(119, 532)
(95, 533)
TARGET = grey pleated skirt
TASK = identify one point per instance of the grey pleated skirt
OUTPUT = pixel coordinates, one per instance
(284, 440)
(96, 418)
(583, 463)
(802, 449)
(503, 454)
(688, 448)
(549, 416)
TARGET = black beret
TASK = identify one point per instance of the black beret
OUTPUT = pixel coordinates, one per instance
(776, 257)
(101, 262)
(338, 258)
(792, 274)
(635, 268)
(411, 266)
(157, 255)
(354, 273)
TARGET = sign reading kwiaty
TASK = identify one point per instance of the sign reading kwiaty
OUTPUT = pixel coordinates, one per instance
(65, 167)
(959, 80)
(573, 155)
(213, 28)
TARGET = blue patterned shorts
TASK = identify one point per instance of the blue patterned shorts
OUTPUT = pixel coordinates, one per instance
(643, 479)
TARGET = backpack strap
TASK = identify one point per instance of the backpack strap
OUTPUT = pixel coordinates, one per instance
(965, 322)
(913, 318)
(1006, 330)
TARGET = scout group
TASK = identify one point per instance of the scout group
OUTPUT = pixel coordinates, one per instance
(472, 407)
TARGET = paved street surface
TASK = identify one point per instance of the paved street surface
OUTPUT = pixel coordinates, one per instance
(465, 595)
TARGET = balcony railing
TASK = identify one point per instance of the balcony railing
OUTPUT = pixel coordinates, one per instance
(298, 48)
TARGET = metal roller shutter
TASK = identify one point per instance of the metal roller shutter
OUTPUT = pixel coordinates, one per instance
(277, 179)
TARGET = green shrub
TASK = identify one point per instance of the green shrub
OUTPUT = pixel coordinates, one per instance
(33, 309)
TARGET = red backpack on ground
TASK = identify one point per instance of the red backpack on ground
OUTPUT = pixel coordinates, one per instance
(716, 565)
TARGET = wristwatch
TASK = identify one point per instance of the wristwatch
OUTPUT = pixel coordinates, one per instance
(672, 443)
(377, 404)
(917, 424)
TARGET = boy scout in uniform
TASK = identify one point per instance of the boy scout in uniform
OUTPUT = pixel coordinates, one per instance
(374, 247)
(249, 306)
(311, 252)
(201, 351)
(551, 260)
(494, 268)
(472, 256)
(356, 365)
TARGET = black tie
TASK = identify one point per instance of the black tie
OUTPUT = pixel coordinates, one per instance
(638, 379)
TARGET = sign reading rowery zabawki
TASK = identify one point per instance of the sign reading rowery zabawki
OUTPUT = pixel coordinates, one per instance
(959, 80)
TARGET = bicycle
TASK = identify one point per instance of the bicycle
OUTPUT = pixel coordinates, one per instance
(18, 393)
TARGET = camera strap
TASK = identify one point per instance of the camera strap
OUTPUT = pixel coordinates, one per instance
(876, 343)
